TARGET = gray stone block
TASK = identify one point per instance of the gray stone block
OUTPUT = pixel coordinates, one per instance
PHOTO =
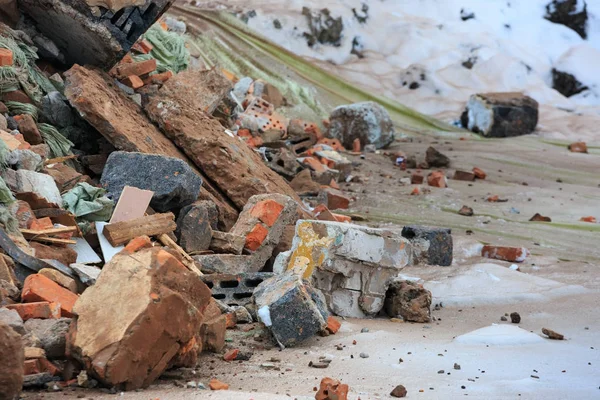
(369, 122)
(285, 304)
(172, 180)
(52, 333)
(431, 246)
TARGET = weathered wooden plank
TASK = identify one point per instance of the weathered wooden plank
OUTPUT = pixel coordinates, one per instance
(151, 225)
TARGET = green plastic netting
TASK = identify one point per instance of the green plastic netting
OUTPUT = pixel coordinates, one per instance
(168, 49)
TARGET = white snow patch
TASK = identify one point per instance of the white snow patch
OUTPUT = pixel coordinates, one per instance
(487, 283)
(499, 335)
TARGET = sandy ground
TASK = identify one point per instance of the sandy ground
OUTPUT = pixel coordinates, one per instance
(556, 287)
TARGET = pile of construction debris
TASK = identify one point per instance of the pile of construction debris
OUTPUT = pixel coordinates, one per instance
(183, 194)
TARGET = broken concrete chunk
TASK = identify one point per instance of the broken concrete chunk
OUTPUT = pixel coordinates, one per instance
(432, 246)
(25, 159)
(12, 319)
(369, 122)
(11, 367)
(130, 347)
(173, 182)
(88, 274)
(261, 223)
(41, 184)
(195, 226)
(226, 242)
(286, 307)
(409, 301)
(52, 334)
(352, 265)
(501, 114)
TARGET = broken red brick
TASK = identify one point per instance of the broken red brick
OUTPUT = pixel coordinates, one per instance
(137, 244)
(437, 179)
(40, 310)
(39, 288)
(230, 321)
(511, 254)
(29, 129)
(540, 218)
(136, 68)
(333, 325)
(6, 57)
(231, 355)
(158, 78)
(332, 389)
(464, 176)
(356, 145)
(41, 223)
(479, 174)
(32, 367)
(313, 164)
(341, 218)
(589, 219)
(333, 143)
(133, 81)
(417, 179)
(416, 191)
(493, 199)
(255, 238)
(268, 211)
(216, 384)
(143, 47)
(334, 184)
(578, 147)
(24, 214)
(336, 199)
(18, 96)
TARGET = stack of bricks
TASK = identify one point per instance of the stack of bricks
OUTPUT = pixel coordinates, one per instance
(136, 74)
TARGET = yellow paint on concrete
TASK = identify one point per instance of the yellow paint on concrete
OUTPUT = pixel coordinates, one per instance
(311, 248)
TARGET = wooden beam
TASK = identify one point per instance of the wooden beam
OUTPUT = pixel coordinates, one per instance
(51, 231)
(58, 160)
(151, 225)
(47, 239)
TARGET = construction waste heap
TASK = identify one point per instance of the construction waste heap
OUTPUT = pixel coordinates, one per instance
(148, 204)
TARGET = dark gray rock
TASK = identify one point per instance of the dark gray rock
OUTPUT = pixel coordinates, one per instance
(38, 380)
(431, 246)
(500, 114)
(52, 333)
(566, 84)
(324, 29)
(571, 13)
(436, 159)
(409, 301)
(173, 182)
(369, 122)
(286, 306)
(56, 110)
(195, 226)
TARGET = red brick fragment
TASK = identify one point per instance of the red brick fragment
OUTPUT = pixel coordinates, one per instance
(268, 211)
(589, 219)
(437, 179)
(216, 384)
(479, 174)
(333, 325)
(231, 355)
(332, 389)
(511, 254)
(40, 310)
(133, 81)
(39, 288)
(578, 147)
(255, 238)
(136, 68)
(6, 57)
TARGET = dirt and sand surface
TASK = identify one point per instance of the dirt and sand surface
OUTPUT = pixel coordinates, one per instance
(555, 288)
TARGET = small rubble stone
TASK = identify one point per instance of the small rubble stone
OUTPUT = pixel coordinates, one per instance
(369, 122)
(500, 114)
(242, 315)
(11, 367)
(466, 211)
(51, 333)
(399, 392)
(435, 159)
(195, 226)
(287, 307)
(409, 301)
(540, 218)
(29, 130)
(173, 182)
(332, 389)
(552, 334)
(432, 246)
(417, 179)
(515, 318)
(87, 273)
(304, 185)
(511, 254)
(25, 159)
(364, 355)
(165, 307)
(503, 318)
(227, 243)
(456, 366)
